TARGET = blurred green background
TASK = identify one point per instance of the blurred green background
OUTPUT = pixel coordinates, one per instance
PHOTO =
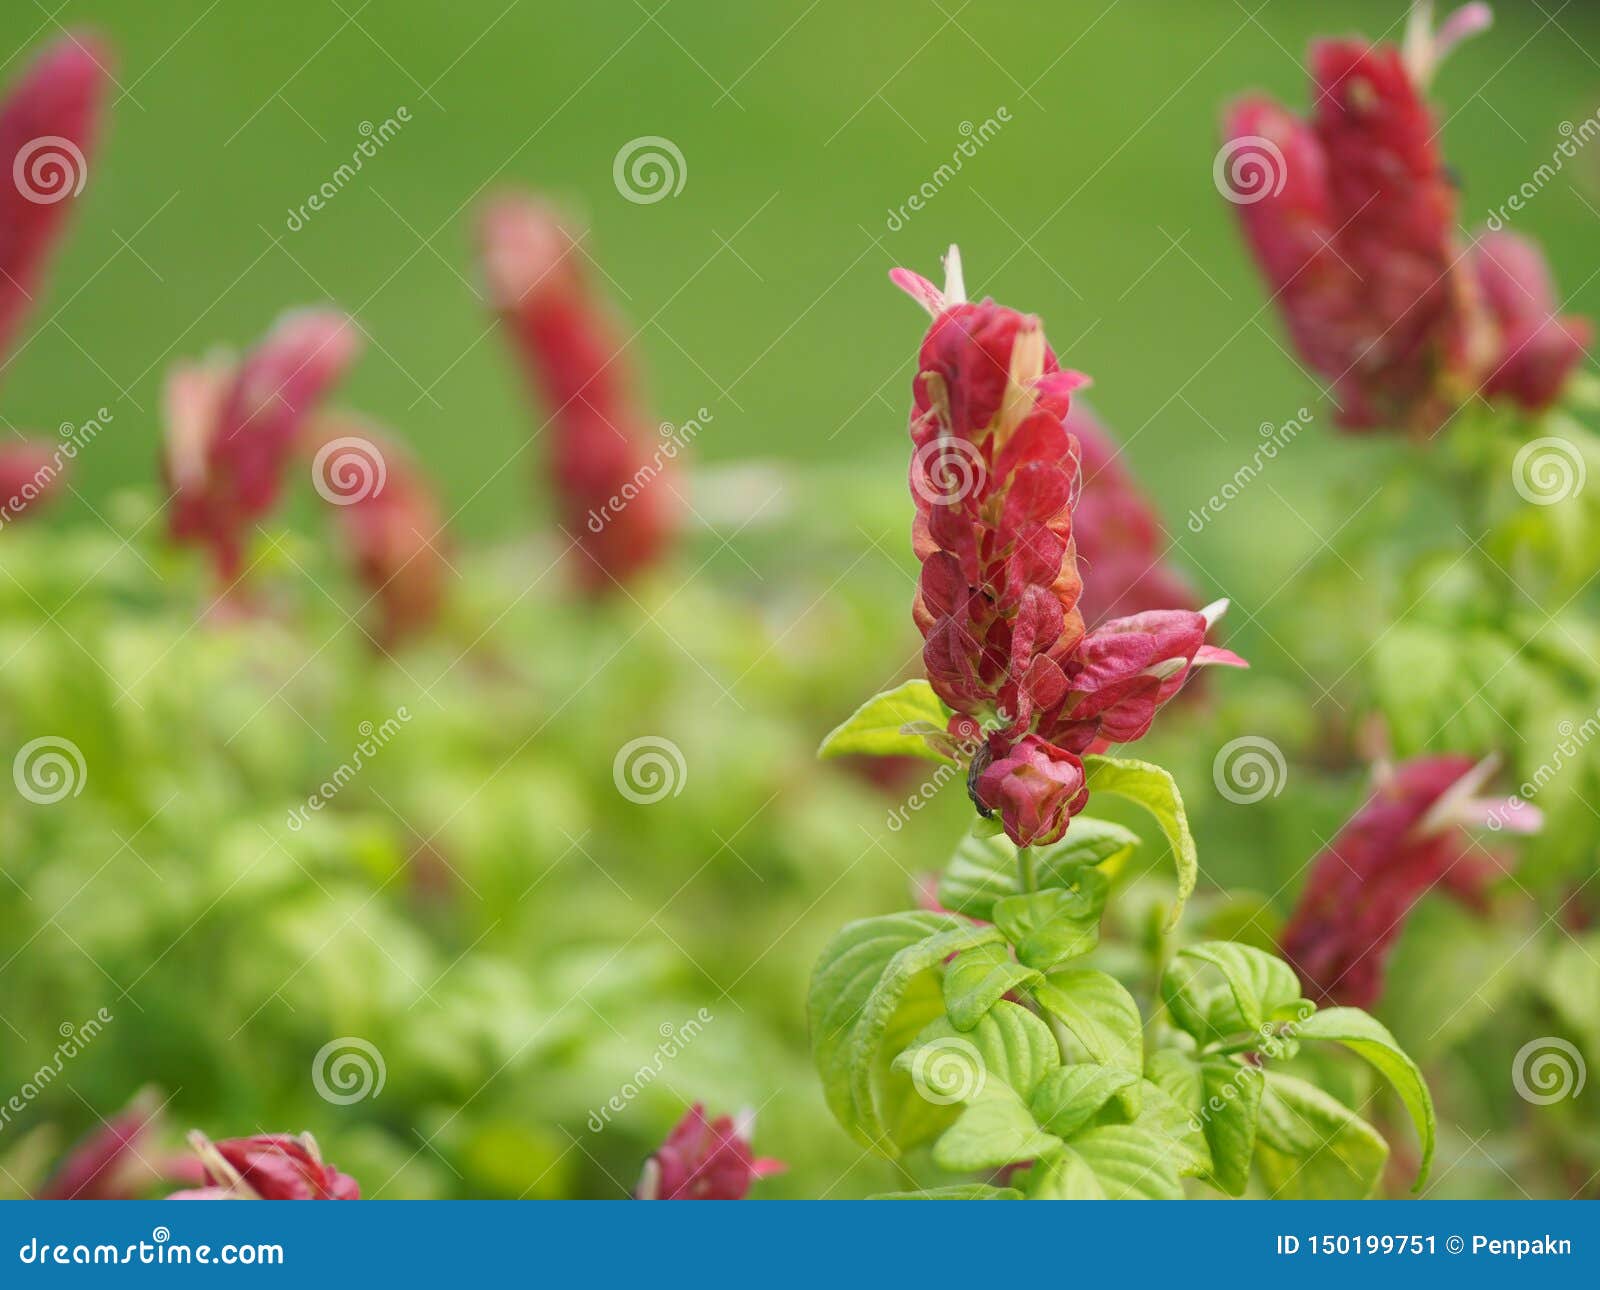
(759, 293)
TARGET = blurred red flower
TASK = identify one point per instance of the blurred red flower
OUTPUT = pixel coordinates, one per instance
(273, 1166)
(705, 1160)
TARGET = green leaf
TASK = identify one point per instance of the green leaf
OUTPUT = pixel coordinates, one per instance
(1068, 1098)
(1129, 1162)
(1222, 1096)
(984, 868)
(1310, 1146)
(857, 989)
(1062, 1176)
(995, 1130)
(977, 980)
(907, 721)
(1162, 1115)
(1152, 788)
(961, 1191)
(1009, 1044)
(1257, 988)
(1101, 1015)
(1369, 1038)
(1050, 927)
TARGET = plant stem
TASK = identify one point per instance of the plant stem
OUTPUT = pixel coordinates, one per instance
(1025, 870)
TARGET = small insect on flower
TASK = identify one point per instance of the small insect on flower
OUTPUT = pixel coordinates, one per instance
(48, 125)
(614, 497)
(273, 1166)
(706, 1160)
(1412, 834)
(995, 477)
(1351, 216)
(232, 429)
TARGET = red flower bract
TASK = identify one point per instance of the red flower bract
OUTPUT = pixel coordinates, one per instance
(1410, 836)
(48, 124)
(614, 500)
(995, 477)
(1537, 350)
(232, 430)
(113, 1162)
(705, 1160)
(272, 1166)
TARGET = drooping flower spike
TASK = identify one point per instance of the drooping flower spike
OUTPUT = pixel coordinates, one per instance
(706, 1160)
(995, 475)
(274, 1166)
(1414, 833)
(232, 429)
(390, 522)
(1351, 217)
(615, 500)
(48, 125)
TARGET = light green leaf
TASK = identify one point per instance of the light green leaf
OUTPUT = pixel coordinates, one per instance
(857, 988)
(1009, 1044)
(984, 868)
(1129, 1163)
(977, 979)
(1062, 1176)
(1071, 1096)
(995, 1130)
(1369, 1038)
(1101, 1015)
(1260, 988)
(1152, 788)
(907, 721)
(960, 1191)
(1161, 1115)
(1050, 927)
(1222, 1096)
(1310, 1146)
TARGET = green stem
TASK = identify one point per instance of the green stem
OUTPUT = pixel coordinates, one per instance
(1025, 870)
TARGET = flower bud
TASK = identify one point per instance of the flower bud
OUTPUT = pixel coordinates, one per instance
(705, 1160)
